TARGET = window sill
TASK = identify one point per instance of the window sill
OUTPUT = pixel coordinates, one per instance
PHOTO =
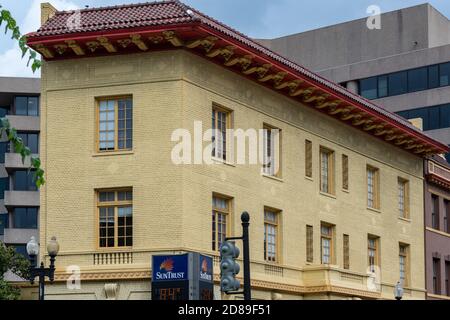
(328, 195)
(309, 178)
(113, 250)
(345, 191)
(442, 233)
(404, 219)
(113, 153)
(374, 210)
(272, 177)
(221, 161)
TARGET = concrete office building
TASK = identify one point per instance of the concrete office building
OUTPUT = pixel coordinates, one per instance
(19, 204)
(114, 93)
(404, 66)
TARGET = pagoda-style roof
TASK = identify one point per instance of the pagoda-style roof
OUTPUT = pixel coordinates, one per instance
(171, 24)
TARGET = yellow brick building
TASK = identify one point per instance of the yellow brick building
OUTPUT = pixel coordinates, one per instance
(111, 100)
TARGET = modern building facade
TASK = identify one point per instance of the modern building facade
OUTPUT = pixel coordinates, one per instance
(19, 204)
(437, 223)
(117, 103)
(404, 66)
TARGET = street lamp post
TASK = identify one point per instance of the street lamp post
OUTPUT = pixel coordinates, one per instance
(398, 291)
(41, 272)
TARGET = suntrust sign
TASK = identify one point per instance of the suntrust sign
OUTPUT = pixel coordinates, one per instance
(206, 268)
(170, 268)
(182, 277)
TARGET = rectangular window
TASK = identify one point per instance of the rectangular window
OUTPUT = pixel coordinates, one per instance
(444, 74)
(308, 158)
(437, 276)
(26, 106)
(447, 278)
(444, 116)
(309, 244)
(221, 120)
(25, 218)
(271, 224)
(368, 88)
(23, 180)
(418, 79)
(433, 76)
(4, 186)
(326, 171)
(31, 140)
(412, 80)
(373, 188)
(345, 184)
(435, 212)
(398, 83)
(373, 253)
(115, 124)
(271, 165)
(4, 223)
(404, 264)
(115, 212)
(220, 215)
(383, 86)
(346, 248)
(4, 148)
(403, 198)
(447, 216)
(327, 247)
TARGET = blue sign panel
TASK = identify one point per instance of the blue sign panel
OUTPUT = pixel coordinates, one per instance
(206, 269)
(170, 268)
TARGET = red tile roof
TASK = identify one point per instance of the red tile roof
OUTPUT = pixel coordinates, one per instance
(172, 13)
(117, 17)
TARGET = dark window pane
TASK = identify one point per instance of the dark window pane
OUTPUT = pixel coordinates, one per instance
(433, 118)
(447, 156)
(444, 74)
(110, 242)
(4, 111)
(33, 142)
(24, 181)
(404, 114)
(418, 79)
(445, 116)
(382, 86)
(4, 223)
(398, 83)
(102, 243)
(106, 196)
(33, 106)
(3, 149)
(25, 218)
(21, 249)
(121, 242)
(368, 88)
(4, 186)
(21, 106)
(433, 76)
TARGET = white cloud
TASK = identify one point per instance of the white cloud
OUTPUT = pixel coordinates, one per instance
(10, 60)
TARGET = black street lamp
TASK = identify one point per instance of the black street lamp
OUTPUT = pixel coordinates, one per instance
(398, 291)
(41, 271)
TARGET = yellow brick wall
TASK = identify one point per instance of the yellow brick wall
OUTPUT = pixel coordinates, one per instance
(172, 204)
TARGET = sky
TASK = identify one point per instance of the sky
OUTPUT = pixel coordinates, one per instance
(255, 18)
